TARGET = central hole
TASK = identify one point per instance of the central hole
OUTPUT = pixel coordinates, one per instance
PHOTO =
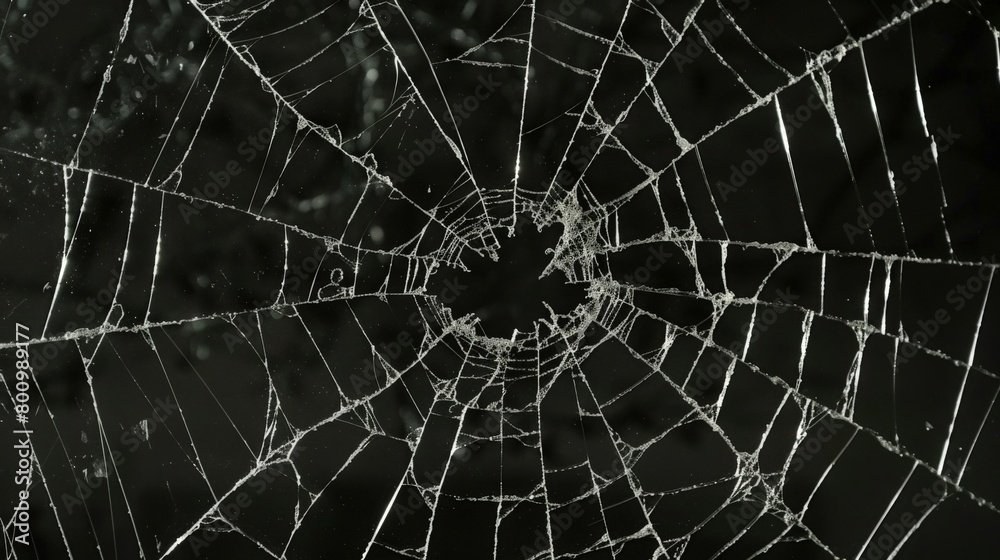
(508, 294)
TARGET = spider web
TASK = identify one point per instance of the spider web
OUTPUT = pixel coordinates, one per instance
(233, 229)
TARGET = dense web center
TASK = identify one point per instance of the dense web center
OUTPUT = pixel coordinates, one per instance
(511, 292)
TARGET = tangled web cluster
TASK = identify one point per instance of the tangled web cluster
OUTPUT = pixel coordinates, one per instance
(249, 236)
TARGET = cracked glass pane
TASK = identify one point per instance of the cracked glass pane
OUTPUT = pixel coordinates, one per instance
(544, 279)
